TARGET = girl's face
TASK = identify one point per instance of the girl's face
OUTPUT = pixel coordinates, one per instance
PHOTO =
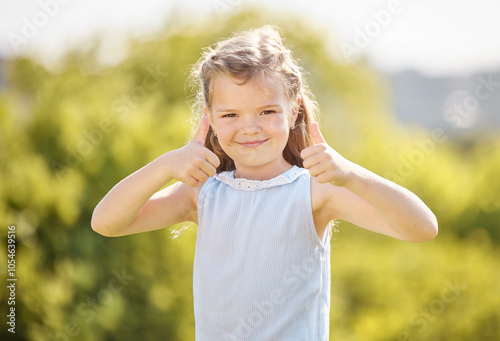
(252, 122)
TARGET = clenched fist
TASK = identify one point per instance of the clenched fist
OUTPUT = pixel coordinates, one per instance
(323, 162)
(194, 163)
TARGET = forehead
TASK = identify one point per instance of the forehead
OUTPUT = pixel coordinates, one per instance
(257, 91)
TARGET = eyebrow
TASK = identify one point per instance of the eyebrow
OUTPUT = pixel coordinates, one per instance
(261, 108)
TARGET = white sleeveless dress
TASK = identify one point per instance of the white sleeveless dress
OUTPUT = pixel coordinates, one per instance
(260, 270)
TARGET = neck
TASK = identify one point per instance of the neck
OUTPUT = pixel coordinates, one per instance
(261, 173)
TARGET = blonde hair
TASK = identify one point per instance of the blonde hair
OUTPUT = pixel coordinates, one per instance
(244, 56)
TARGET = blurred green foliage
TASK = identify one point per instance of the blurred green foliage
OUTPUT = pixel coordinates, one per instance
(68, 135)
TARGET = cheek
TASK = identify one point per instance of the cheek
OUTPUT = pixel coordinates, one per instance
(279, 127)
(225, 133)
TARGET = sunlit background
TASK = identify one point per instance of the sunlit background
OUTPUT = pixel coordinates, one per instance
(436, 38)
(408, 89)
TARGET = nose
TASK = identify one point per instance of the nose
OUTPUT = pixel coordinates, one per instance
(250, 126)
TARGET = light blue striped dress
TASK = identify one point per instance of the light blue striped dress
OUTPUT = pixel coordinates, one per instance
(260, 270)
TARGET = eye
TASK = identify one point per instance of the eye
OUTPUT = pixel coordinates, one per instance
(267, 112)
(229, 115)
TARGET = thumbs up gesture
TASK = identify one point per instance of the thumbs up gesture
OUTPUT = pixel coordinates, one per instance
(324, 163)
(194, 163)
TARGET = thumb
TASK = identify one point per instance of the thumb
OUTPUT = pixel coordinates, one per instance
(202, 132)
(316, 134)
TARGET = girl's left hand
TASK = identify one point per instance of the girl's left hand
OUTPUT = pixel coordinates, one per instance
(324, 163)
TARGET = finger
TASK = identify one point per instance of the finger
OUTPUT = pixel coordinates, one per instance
(200, 175)
(207, 168)
(202, 132)
(190, 181)
(313, 159)
(311, 150)
(212, 158)
(317, 170)
(316, 134)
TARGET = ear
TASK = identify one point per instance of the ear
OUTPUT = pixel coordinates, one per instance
(209, 115)
(295, 110)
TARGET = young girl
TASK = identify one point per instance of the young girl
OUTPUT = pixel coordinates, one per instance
(262, 184)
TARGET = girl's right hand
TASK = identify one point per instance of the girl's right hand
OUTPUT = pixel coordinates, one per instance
(193, 163)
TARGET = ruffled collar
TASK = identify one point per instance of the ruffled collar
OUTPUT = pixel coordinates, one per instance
(254, 185)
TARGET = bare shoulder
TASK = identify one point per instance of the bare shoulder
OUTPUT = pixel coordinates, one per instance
(323, 195)
(181, 196)
(334, 202)
(323, 198)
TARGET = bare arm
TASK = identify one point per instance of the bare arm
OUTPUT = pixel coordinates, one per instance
(401, 208)
(378, 205)
(132, 206)
(357, 195)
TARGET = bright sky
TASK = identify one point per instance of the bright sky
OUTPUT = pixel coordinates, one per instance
(436, 37)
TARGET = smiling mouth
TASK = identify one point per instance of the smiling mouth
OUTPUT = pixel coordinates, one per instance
(251, 144)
